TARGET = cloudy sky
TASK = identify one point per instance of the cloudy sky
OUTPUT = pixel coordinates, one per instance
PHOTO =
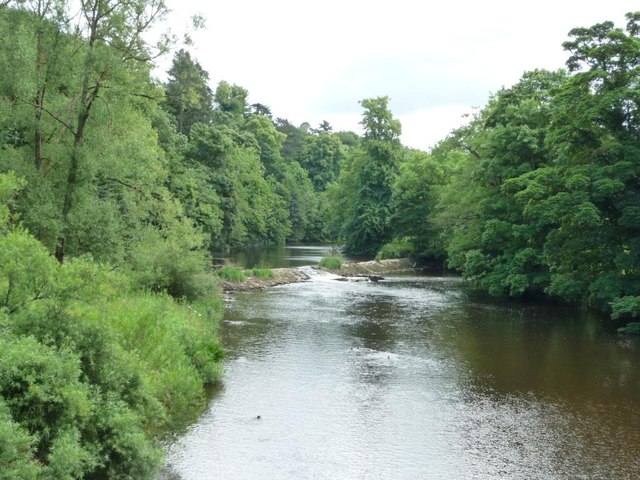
(436, 60)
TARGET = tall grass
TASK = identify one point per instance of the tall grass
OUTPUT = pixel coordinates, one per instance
(331, 262)
(262, 273)
(396, 249)
(230, 273)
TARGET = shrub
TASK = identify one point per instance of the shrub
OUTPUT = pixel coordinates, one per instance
(332, 262)
(263, 273)
(94, 371)
(623, 307)
(396, 249)
(168, 260)
(233, 274)
(632, 328)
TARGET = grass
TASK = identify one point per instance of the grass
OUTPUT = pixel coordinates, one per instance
(262, 273)
(332, 262)
(233, 274)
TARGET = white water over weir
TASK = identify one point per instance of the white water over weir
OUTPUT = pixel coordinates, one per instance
(413, 377)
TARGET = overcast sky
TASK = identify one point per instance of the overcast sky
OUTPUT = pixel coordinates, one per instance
(313, 61)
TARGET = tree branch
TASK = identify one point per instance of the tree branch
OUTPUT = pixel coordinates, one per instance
(52, 115)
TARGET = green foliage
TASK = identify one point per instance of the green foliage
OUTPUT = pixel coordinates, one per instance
(416, 192)
(540, 194)
(321, 158)
(252, 210)
(401, 248)
(41, 388)
(168, 259)
(485, 224)
(9, 186)
(231, 99)
(232, 274)
(295, 139)
(177, 346)
(189, 98)
(378, 122)
(92, 371)
(262, 273)
(331, 262)
(296, 190)
(628, 306)
(16, 449)
(361, 201)
(632, 328)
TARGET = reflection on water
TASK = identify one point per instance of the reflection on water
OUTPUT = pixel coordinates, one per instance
(278, 256)
(413, 378)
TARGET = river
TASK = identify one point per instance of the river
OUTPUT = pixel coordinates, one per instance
(413, 377)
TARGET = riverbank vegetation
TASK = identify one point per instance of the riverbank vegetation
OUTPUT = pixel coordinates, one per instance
(115, 186)
(331, 262)
(108, 314)
(537, 196)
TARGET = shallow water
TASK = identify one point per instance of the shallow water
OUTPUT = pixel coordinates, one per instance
(414, 378)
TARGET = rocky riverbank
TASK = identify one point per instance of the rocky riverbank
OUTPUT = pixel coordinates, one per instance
(283, 276)
(373, 268)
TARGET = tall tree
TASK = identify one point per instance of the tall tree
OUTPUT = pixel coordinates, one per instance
(189, 98)
(111, 39)
(321, 157)
(415, 196)
(367, 182)
(231, 99)
(295, 140)
(594, 248)
(260, 109)
(489, 232)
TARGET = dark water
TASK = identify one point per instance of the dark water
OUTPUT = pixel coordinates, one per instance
(279, 256)
(413, 378)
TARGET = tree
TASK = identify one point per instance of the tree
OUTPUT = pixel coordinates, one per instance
(189, 98)
(415, 196)
(321, 158)
(295, 140)
(593, 249)
(546, 194)
(367, 182)
(103, 59)
(252, 212)
(378, 122)
(489, 232)
(231, 99)
(260, 109)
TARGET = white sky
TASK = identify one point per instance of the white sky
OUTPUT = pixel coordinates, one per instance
(313, 61)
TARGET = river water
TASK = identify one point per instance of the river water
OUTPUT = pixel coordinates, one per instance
(413, 377)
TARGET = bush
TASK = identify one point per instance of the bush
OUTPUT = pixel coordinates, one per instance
(625, 307)
(167, 260)
(232, 274)
(94, 371)
(332, 262)
(396, 249)
(201, 287)
(43, 392)
(263, 273)
(632, 328)
(16, 451)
